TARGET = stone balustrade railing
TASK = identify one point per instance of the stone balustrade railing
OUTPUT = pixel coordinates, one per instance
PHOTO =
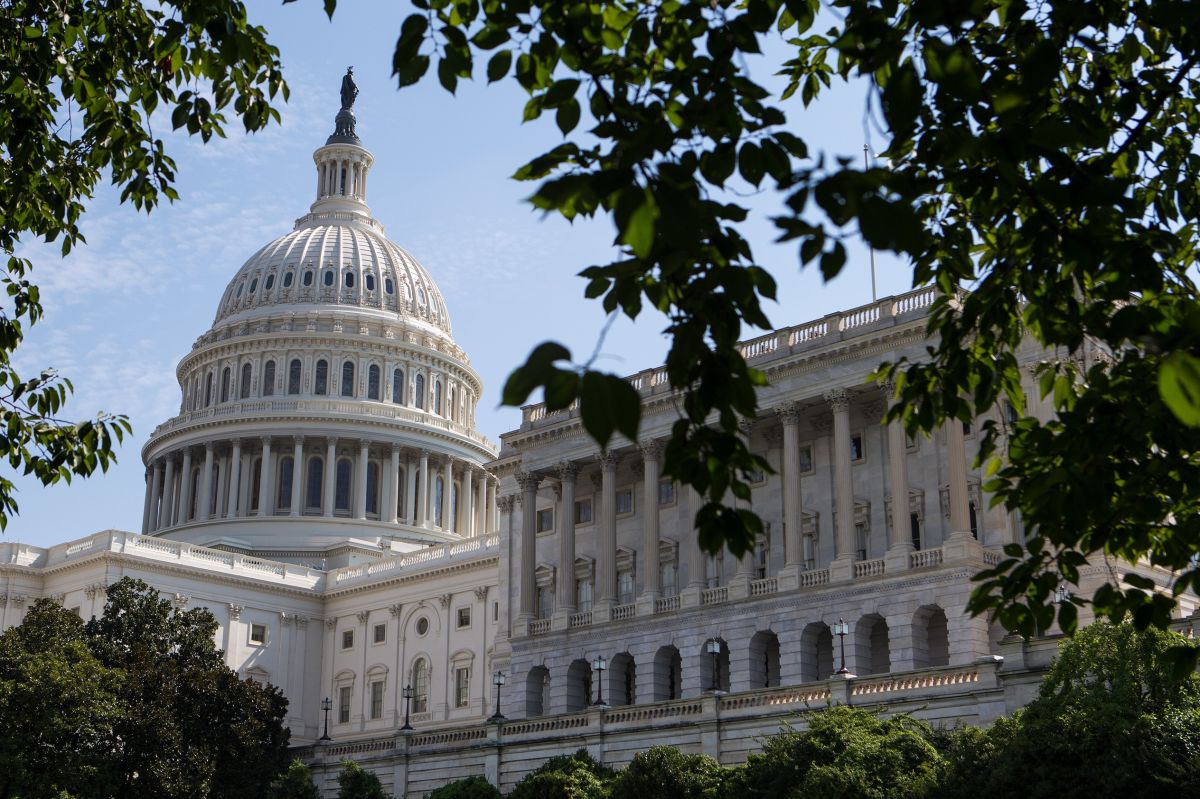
(429, 557)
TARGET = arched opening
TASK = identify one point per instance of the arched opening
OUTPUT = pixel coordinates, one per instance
(816, 652)
(622, 679)
(764, 660)
(268, 388)
(537, 691)
(398, 386)
(284, 495)
(373, 382)
(195, 495)
(348, 379)
(216, 481)
(401, 482)
(208, 389)
(225, 384)
(872, 655)
(931, 638)
(419, 391)
(716, 664)
(294, 376)
(668, 674)
(255, 483)
(341, 495)
(321, 382)
(439, 486)
(372, 489)
(437, 397)
(316, 476)
(579, 685)
(420, 685)
(244, 388)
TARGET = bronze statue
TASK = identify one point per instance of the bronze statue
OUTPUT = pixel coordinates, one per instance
(349, 88)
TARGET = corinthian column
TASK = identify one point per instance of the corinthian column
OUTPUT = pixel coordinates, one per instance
(360, 492)
(651, 454)
(298, 481)
(606, 570)
(155, 490)
(529, 485)
(447, 495)
(956, 456)
(900, 542)
(266, 502)
(567, 474)
(185, 486)
(147, 504)
(167, 513)
(843, 488)
(793, 508)
(392, 514)
(423, 492)
(466, 511)
(206, 483)
(327, 493)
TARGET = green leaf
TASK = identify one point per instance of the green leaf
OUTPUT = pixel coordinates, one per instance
(567, 116)
(498, 65)
(639, 230)
(1179, 386)
(608, 403)
(536, 371)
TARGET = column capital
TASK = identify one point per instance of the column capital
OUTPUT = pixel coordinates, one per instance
(505, 503)
(236, 442)
(838, 399)
(652, 449)
(266, 441)
(607, 460)
(298, 440)
(567, 471)
(208, 447)
(888, 388)
(364, 442)
(528, 480)
(331, 441)
(425, 454)
(396, 447)
(745, 425)
(789, 413)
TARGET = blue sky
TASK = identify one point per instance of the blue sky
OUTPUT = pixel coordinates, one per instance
(124, 309)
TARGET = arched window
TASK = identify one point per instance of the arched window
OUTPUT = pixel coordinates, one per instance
(316, 476)
(253, 285)
(349, 280)
(321, 383)
(419, 391)
(579, 685)
(373, 488)
(341, 500)
(244, 388)
(308, 278)
(208, 389)
(439, 487)
(283, 498)
(348, 379)
(373, 382)
(294, 376)
(216, 481)
(764, 660)
(328, 279)
(398, 386)
(388, 286)
(287, 280)
(225, 384)
(420, 684)
(369, 281)
(402, 482)
(816, 652)
(622, 674)
(270, 284)
(437, 397)
(667, 680)
(268, 379)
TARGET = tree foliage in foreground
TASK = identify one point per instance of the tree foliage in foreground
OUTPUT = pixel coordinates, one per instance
(81, 82)
(1041, 154)
(295, 783)
(137, 703)
(355, 782)
(467, 788)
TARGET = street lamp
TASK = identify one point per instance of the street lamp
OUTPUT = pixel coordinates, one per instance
(326, 705)
(600, 664)
(407, 693)
(713, 647)
(497, 680)
(841, 630)
(1062, 594)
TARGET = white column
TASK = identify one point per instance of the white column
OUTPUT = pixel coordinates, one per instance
(793, 507)
(185, 487)
(529, 485)
(567, 474)
(447, 493)
(206, 479)
(222, 488)
(651, 453)
(466, 504)
(956, 456)
(691, 544)
(146, 504)
(410, 492)
(492, 515)
(330, 482)
(266, 502)
(155, 491)
(247, 473)
(843, 489)
(606, 566)
(481, 489)
(360, 479)
(394, 484)
(423, 492)
(167, 513)
(901, 539)
(298, 483)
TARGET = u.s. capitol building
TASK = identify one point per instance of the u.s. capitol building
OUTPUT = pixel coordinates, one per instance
(324, 491)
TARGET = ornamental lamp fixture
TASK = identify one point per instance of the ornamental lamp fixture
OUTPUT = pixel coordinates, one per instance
(498, 679)
(408, 694)
(326, 705)
(599, 665)
(841, 629)
(713, 647)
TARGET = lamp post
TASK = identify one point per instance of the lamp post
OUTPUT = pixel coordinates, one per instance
(1062, 594)
(600, 664)
(841, 630)
(326, 705)
(407, 693)
(497, 680)
(713, 647)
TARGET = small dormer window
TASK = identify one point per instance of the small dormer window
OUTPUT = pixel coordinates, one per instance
(308, 278)
(328, 277)
(369, 280)
(287, 280)
(349, 280)
(253, 285)
(270, 284)
(388, 286)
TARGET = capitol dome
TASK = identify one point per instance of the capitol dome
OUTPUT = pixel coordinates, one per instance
(328, 411)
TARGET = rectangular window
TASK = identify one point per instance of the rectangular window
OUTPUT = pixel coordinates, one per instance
(806, 460)
(545, 520)
(462, 687)
(583, 511)
(974, 521)
(258, 633)
(545, 600)
(583, 595)
(967, 429)
(347, 639)
(761, 554)
(666, 492)
(809, 543)
(462, 618)
(379, 634)
(860, 535)
(344, 695)
(625, 587)
(856, 447)
(377, 699)
(624, 501)
(914, 522)
(712, 572)
(756, 476)
(495, 611)
(666, 574)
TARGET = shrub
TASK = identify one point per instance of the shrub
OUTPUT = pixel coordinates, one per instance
(469, 788)
(357, 783)
(295, 783)
(663, 772)
(577, 776)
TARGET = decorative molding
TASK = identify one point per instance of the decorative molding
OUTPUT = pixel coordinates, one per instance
(285, 619)
(481, 593)
(363, 616)
(301, 621)
(444, 600)
(331, 624)
(396, 609)
(608, 460)
(180, 601)
(567, 471)
(506, 502)
(528, 481)
(652, 449)
(235, 611)
(838, 400)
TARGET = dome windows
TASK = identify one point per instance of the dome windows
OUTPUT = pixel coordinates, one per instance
(321, 381)
(253, 285)
(369, 282)
(225, 375)
(270, 284)
(244, 393)
(349, 280)
(294, 376)
(421, 297)
(398, 386)
(268, 379)
(373, 382)
(287, 280)
(308, 278)
(328, 278)
(238, 295)
(388, 286)
(348, 379)
(419, 391)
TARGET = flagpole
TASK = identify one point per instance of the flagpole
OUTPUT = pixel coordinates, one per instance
(870, 249)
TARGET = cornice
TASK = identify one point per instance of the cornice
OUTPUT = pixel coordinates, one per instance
(467, 564)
